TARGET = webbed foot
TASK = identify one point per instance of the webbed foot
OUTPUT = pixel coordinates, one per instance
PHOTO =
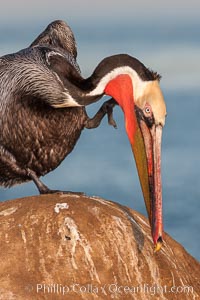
(106, 108)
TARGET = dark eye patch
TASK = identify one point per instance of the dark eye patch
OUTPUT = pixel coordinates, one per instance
(149, 121)
(140, 115)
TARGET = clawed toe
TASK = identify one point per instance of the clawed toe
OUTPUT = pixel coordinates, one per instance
(106, 109)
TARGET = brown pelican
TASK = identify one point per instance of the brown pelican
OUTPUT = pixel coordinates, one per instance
(42, 112)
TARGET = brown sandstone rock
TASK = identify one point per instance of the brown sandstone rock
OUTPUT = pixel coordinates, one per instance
(79, 247)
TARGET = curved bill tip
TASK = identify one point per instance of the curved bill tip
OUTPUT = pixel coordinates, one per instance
(158, 245)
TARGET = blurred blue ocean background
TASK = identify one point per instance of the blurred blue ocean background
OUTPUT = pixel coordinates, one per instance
(101, 164)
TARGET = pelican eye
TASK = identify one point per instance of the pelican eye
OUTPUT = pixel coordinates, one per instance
(148, 115)
(147, 110)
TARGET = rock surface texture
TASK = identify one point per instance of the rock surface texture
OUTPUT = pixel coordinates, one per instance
(77, 247)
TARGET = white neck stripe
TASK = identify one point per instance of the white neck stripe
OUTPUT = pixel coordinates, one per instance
(138, 84)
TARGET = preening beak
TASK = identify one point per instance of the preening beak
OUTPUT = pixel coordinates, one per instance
(147, 152)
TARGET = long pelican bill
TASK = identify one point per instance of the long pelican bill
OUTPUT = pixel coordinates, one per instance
(144, 124)
(146, 148)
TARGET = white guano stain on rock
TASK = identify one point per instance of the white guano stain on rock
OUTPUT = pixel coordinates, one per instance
(124, 231)
(6, 295)
(59, 206)
(8, 211)
(155, 274)
(102, 201)
(78, 239)
(74, 235)
(6, 240)
(142, 221)
(23, 236)
(71, 195)
(165, 249)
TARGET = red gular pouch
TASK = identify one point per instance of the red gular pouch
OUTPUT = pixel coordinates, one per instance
(121, 89)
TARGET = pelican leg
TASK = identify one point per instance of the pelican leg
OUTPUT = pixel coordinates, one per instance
(43, 189)
(106, 108)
